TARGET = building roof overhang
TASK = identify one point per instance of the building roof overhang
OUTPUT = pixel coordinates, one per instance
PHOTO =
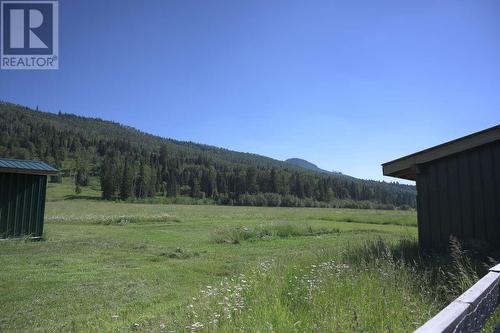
(406, 167)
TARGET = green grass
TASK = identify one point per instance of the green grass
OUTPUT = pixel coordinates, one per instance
(71, 210)
(492, 322)
(66, 190)
(106, 266)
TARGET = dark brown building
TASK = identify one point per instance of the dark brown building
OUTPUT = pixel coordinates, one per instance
(458, 185)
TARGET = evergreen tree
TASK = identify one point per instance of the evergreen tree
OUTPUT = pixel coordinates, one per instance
(108, 177)
(126, 182)
(195, 188)
(172, 186)
(142, 182)
(251, 180)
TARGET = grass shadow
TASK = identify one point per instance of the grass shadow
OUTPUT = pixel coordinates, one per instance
(81, 197)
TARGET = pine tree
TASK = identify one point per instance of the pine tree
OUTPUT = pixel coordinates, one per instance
(274, 181)
(107, 175)
(141, 182)
(195, 188)
(81, 170)
(126, 182)
(251, 180)
(172, 183)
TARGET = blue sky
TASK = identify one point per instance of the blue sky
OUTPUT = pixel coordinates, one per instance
(347, 85)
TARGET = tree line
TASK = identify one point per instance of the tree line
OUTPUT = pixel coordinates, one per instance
(125, 175)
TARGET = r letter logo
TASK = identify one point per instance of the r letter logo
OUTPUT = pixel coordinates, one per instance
(30, 33)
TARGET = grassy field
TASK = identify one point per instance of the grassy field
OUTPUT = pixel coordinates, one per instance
(106, 267)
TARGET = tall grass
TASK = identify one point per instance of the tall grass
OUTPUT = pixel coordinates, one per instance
(465, 274)
(447, 273)
(378, 286)
(236, 235)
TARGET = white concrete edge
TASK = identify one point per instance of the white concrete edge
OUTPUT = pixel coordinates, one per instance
(446, 319)
(451, 315)
(495, 269)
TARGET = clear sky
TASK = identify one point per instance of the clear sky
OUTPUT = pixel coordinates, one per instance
(347, 85)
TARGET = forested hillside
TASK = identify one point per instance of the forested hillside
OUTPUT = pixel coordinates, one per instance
(132, 164)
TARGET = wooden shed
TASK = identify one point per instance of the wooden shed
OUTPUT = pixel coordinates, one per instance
(458, 186)
(22, 197)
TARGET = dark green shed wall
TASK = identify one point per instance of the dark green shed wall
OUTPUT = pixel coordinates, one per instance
(22, 204)
(459, 195)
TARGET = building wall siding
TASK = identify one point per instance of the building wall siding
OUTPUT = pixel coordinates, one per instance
(22, 205)
(459, 195)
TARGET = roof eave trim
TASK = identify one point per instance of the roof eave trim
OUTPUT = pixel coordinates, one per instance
(400, 165)
(30, 172)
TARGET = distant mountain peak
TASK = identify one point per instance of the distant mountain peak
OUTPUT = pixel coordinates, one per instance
(301, 163)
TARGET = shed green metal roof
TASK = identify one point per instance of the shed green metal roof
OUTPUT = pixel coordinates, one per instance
(26, 167)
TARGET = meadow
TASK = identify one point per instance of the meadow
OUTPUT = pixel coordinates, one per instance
(113, 267)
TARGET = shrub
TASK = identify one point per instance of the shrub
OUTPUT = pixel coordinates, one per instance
(290, 201)
(260, 200)
(404, 207)
(233, 235)
(273, 199)
(236, 235)
(185, 190)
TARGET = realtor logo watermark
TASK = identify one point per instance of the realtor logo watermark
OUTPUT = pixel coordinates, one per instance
(30, 34)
